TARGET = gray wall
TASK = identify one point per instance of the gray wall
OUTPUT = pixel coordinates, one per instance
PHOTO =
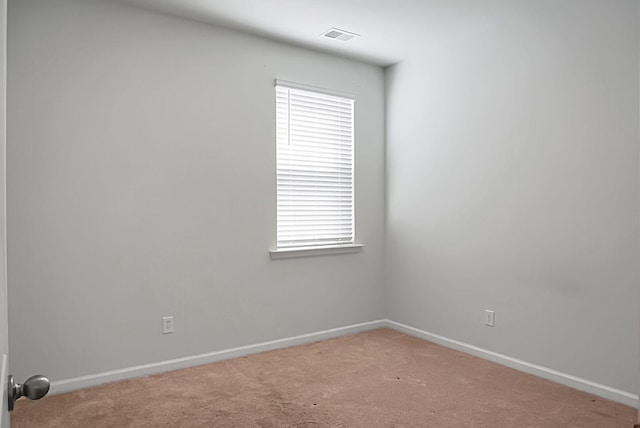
(513, 185)
(136, 188)
(141, 183)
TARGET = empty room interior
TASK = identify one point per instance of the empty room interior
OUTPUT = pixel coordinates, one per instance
(292, 213)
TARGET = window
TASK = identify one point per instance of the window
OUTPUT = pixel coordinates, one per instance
(315, 180)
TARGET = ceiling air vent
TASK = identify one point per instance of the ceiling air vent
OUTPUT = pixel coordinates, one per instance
(334, 33)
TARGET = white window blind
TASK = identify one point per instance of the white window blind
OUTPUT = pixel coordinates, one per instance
(315, 186)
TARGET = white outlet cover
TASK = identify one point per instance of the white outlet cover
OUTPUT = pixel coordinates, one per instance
(167, 325)
(489, 318)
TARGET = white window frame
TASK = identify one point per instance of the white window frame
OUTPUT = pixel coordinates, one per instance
(334, 248)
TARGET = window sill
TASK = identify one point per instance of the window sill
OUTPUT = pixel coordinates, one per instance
(287, 253)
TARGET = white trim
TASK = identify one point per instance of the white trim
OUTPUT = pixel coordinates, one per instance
(4, 409)
(3, 388)
(546, 373)
(303, 87)
(575, 382)
(81, 382)
(285, 253)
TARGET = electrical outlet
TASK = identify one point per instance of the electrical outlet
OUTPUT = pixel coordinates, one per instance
(167, 325)
(489, 318)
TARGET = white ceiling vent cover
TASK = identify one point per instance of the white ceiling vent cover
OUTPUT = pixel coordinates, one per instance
(337, 34)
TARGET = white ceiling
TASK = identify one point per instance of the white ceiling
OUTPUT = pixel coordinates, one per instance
(389, 29)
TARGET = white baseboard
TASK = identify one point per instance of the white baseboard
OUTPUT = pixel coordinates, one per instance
(68, 385)
(600, 390)
(546, 373)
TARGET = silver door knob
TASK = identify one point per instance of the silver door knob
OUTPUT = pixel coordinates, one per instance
(33, 388)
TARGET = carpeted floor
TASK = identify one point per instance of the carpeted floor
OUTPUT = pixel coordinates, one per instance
(380, 378)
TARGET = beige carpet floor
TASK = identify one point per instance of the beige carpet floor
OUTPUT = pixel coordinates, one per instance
(380, 378)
